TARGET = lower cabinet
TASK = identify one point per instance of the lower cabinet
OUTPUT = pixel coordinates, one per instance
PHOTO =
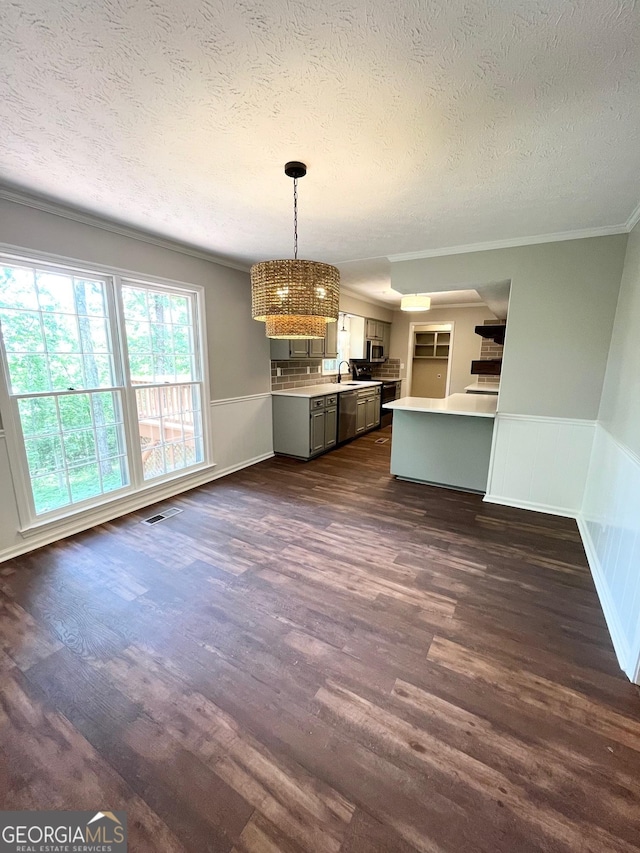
(330, 426)
(368, 411)
(361, 415)
(304, 427)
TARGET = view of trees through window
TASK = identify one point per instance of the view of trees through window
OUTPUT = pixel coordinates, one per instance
(66, 380)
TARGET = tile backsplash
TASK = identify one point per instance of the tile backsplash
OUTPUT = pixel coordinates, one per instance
(389, 370)
(294, 372)
(490, 349)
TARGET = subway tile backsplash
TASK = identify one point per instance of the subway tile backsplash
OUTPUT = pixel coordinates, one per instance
(294, 373)
(490, 349)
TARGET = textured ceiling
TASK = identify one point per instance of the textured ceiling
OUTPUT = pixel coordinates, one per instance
(424, 123)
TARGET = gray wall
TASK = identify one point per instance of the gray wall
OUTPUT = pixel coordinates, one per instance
(620, 405)
(466, 344)
(238, 349)
(361, 308)
(561, 312)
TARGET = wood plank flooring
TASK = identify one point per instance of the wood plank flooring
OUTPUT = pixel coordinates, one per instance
(316, 657)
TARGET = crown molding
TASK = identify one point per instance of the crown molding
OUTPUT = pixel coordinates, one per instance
(364, 298)
(57, 209)
(513, 242)
(633, 220)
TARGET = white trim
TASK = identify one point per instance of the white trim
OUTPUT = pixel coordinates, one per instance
(240, 399)
(57, 209)
(429, 327)
(548, 420)
(632, 221)
(620, 644)
(512, 242)
(135, 502)
(548, 509)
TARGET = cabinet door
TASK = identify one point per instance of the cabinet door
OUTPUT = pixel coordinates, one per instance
(317, 431)
(331, 341)
(331, 427)
(299, 348)
(386, 339)
(372, 405)
(361, 416)
(316, 347)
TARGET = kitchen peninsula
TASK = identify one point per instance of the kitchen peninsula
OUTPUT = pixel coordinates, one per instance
(445, 441)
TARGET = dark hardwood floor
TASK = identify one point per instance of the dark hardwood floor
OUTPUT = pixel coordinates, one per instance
(316, 657)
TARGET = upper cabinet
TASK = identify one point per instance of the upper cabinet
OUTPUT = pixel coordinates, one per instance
(361, 330)
(375, 330)
(326, 347)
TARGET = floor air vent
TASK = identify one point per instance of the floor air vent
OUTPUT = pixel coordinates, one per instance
(166, 513)
(381, 440)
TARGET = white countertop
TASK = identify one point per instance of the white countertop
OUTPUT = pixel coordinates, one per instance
(476, 405)
(325, 388)
(483, 387)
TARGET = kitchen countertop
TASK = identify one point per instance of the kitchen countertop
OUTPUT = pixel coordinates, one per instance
(483, 388)
(325, 388)
(475, 405)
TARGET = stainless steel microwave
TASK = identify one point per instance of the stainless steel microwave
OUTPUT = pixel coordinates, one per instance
(375, 351)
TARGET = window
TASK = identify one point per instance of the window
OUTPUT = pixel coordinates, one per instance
(104, 381)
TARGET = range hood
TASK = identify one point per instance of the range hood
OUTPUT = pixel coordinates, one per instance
(492, 333)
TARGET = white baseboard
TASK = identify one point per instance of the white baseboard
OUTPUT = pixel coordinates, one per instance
(620, 643)
(548, 509)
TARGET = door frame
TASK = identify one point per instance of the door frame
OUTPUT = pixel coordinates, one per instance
(429, 327)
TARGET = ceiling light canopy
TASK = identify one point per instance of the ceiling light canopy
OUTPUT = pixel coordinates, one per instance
(415, 302)
(295, 298)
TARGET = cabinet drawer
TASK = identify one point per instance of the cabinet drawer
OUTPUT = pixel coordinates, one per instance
(332, 400)
(317, 403)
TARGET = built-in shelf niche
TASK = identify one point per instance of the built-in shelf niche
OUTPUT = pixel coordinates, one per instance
(432, 345)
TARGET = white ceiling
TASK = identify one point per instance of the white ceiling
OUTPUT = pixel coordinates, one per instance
(425, 124)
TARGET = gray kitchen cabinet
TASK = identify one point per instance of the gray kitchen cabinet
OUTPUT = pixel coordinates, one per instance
(327, 347)
(373, 329)
(304, 427)
(317, 431)
(386, 339)
(331, 426)
(361, 415)
(298, 348)
(331, 341)
(373, 412)
(316, 348)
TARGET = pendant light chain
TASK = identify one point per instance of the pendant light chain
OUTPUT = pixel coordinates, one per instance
(295, 218)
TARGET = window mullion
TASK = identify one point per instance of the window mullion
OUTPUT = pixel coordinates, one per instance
(129, 405)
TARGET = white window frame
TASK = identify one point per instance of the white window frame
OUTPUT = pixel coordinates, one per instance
(114, 279)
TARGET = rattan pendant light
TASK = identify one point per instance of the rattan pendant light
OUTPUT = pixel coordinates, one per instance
(295, 298)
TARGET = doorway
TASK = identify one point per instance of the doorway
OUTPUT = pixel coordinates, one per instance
(429, 359)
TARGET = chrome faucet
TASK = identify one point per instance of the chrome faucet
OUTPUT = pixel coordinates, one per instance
(339, 379)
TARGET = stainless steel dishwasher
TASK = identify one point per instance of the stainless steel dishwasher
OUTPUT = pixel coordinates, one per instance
(347, 409)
